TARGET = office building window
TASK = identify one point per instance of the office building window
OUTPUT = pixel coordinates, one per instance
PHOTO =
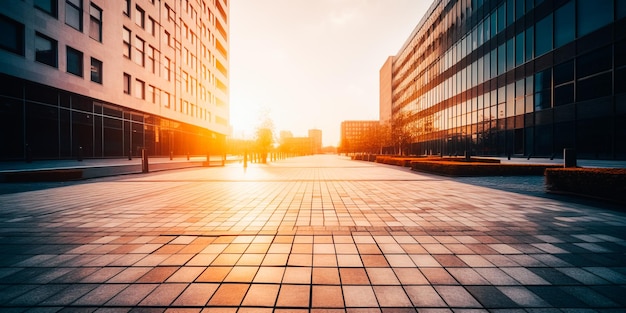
(11, 35)
(543, 35)
(127, 84)
(593, 14)
(167, 71)
(96, 71)
(564, 24)
(138, 56)
(151, 59)
(74, 61)
(151, 26)
(140, 17)
(48, 6)
(45, 50)
(126, 37)
(127, 7)
(151, 94)
(95, 22)
(74, 14)
(140, 89)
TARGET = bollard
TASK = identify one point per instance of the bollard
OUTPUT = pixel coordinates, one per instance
(130, 154)
(144, 161)
(80, 153)
(569, 157)
(171, 155)
(245, 160)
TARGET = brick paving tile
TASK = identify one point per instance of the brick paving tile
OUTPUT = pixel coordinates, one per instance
(197, 294)
(310, 234)
(269, 275)
(382, 276)
(261, 295)
(293, 296)
(457, 296)
(229, 295)
(359, 296)
(100, 295)
(327, 296)
(163, 295)
(391, 296)
(214, 274)
(297, 275)
(424, 296)
(325, 276)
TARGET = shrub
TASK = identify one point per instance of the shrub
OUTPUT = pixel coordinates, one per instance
(44, 176)
(602, 183)
(455, 168)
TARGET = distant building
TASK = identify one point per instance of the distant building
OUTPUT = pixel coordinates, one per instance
(316, 140)
(386, 74)
(357, 136)
(105, 78)
(514, 77)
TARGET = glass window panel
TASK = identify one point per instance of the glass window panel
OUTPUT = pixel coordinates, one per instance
(126, 84)
(563, 73)
(529, 49)
(494, 63)
(564, 27)
(543, 80)
(501, 17)
(594, 87)
(11, 35)
(543, 35)
(95, 22)
(542, 100)
(45, 50)
(48, 6)
(595, 62)
(73, 14)
(494, 23)
(519, 49)
(530, 4)
(620, 9)
(510, 12)
(501, 59)
(74, 61)
(620, 50)
(564, 94)
(96, 71)
(510, 54)
(126, 39)
(593, 14)
(519, 8)
(140, 92)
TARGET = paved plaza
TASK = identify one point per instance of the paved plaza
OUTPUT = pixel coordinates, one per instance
(309, 234)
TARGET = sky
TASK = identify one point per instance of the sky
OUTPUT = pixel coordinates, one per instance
(311, 64)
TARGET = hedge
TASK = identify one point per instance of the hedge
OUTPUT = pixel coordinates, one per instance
(44, 176)
(601, 183)
(456, 168)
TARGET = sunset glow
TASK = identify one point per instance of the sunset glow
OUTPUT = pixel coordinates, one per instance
(312, 64)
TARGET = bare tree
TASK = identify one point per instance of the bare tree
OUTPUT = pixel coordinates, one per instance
(403, 131)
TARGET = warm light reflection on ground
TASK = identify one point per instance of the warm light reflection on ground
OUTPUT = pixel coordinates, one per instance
(304, 234)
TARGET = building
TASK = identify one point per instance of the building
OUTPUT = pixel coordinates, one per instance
(360, 137)
(385, 91)
(106, 78)
(516, 77)
(316, 140)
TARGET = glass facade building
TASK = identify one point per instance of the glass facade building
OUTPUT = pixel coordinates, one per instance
(108, 78)
(516, 77)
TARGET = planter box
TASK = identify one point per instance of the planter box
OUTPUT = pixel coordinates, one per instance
(44, 176)
(601, 183)
(456, 168)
